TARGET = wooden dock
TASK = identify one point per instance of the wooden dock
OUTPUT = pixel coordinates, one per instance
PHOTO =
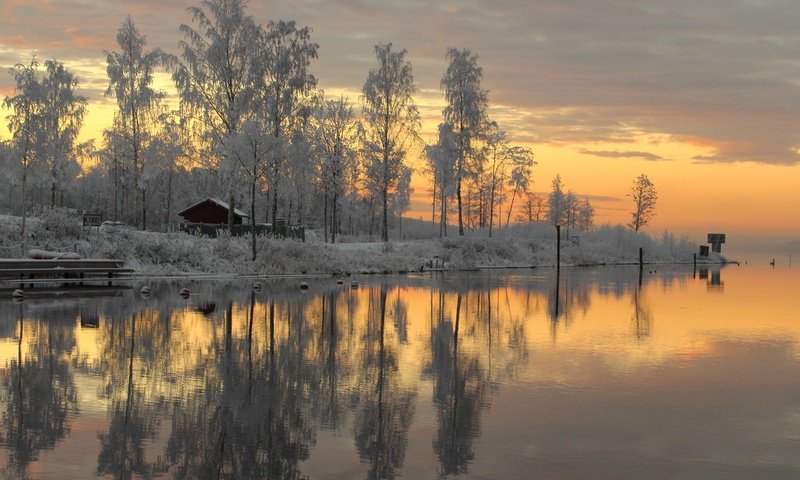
(33, 272)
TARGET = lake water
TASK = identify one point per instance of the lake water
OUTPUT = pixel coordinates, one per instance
(493, 374)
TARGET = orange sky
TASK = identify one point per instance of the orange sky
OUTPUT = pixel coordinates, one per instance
(702, 100)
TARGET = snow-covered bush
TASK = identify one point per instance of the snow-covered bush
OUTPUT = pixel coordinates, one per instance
(59, 223)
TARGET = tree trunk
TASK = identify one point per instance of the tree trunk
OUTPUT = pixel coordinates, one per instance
(232, 206)
(335, 219)
(253, 214)
(385, 233)
(144, 209)
(325, 213)
(511, 207)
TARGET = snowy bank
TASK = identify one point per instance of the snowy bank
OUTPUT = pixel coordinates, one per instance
(153, 253)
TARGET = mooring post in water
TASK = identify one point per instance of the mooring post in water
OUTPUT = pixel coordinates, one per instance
(694, 267)
(558, 247)
(641, 258)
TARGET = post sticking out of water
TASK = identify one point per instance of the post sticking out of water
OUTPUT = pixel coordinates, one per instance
(558, 247)
(641, 258)
(694, 265)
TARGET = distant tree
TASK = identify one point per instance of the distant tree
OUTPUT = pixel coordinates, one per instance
(585, 215)
(534, 208)
(253, 146)
(214, 75)
(644, 197)
(391, 120)
(522, 163)
(466, 108)
(62, 116)
(557, 203)
(442, 159)
(336, 135)
(495, 155)
(130, 81)
(572, 204)
(282, 57)
(24, 123)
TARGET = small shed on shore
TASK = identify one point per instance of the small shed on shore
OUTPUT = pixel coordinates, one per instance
(211, 211)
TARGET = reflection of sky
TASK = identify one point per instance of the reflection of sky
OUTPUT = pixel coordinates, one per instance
(709, 390)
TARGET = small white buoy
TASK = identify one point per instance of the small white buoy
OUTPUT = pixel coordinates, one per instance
(354, 284)
(185, 293)
(340, 282)
(303, 285)
(18, 294)
(144, 291)
(257, 287)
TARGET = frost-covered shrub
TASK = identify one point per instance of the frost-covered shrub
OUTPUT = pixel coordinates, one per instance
(59, 223)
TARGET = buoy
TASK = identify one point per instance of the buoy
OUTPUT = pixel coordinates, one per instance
(303, 285)
(354, 284)
(257, 287)
(18, 294)
(144, 291)
(185, 292)
(340, 282)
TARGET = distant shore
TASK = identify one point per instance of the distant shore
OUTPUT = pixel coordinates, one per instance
(523, 246)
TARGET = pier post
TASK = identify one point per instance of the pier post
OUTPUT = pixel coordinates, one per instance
(558, 247)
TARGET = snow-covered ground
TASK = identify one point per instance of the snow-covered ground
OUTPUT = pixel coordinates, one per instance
(169, 253)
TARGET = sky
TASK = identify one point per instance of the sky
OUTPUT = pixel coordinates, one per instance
(703, 97)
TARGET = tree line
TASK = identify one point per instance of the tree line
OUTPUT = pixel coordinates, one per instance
(253, 128)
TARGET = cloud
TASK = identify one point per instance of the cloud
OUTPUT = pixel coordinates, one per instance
(651, 157)
(720, 72)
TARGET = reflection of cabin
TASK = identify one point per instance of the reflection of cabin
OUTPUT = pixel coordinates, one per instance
(211, 215)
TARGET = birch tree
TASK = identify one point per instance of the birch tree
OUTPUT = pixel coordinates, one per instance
(391, 120)
(214, 76)
(336, 135)
(23, 123)
(62, 117)
(557, 203)
(284, 54)
(441, 162)
(644, 197)
(522, 164)
(466, 109)
(130, 81)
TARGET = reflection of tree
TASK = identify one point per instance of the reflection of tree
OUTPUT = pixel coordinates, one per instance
(386, 408)
(248, 419)
(460, 394)
(134, 360)
(38, 392)
(641, 320)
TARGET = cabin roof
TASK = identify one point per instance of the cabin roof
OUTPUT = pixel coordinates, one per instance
(214, 201)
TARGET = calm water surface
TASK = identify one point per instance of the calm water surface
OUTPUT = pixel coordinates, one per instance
(500, 374)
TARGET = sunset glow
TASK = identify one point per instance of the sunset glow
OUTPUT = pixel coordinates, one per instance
(701, 99)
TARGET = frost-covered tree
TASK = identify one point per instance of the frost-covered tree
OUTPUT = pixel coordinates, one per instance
(585, 215)
(336, 137)
(644, 197)
(391, 120)
(24, 123)
(466, 109)
(62, 117)
(214, 75)
(441, 163)
(130, 80)
(534, 208)
(522, 162)
(252, 146)
(283, 81)
(557, 203)
(495, 156)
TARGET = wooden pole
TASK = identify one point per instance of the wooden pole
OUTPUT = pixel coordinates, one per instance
(641, 257)
(558, 247)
